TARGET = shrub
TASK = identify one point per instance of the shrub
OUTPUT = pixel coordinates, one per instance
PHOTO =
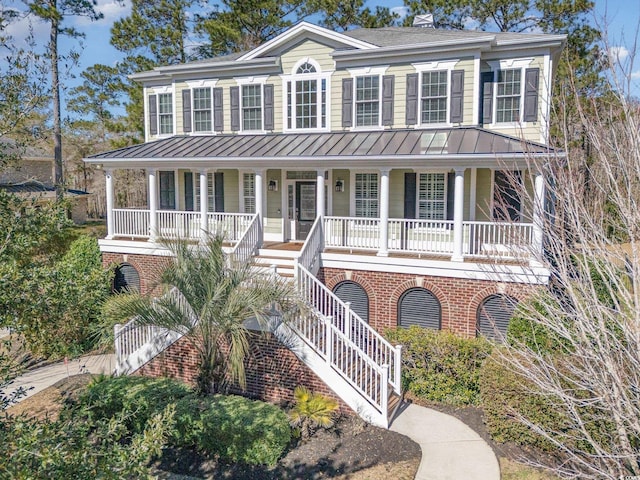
(235, 428)
(440, 366)
(507, 395)
(312, 411)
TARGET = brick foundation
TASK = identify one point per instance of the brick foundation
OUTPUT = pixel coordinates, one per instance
(272, 370)
(148, 266)
(459, 298)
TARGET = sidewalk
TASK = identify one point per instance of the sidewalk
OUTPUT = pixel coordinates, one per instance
(37, 380)
(450, 449)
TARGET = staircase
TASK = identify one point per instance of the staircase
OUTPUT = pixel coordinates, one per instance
(355, 361)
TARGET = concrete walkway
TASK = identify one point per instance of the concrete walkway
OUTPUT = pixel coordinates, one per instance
(40, 378)
(450, 449)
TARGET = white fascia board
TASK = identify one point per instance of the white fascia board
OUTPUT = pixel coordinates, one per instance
(305, 27)
(545, 40)
(205, 68)
(438, 268)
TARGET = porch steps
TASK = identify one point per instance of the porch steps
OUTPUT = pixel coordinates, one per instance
(282, 260)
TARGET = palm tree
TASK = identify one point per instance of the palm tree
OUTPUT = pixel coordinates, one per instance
(209, 299)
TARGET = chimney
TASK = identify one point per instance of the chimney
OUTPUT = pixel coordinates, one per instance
(424, 21)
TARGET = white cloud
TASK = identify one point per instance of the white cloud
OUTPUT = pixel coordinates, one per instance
(112, 11)
(618, 54)
(470, 23)
(635, 75)
(400, 11)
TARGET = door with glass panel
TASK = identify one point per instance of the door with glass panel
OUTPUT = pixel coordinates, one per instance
(304, 208)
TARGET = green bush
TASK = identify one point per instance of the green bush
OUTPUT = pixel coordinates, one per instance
(505, 396)
(440, 366)
(235, 428)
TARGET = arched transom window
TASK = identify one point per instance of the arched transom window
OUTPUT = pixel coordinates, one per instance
(306, 93)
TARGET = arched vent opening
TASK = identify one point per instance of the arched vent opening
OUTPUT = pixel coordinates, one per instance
(126, 279)
(419, 306)
(349, 291)
(493, 316)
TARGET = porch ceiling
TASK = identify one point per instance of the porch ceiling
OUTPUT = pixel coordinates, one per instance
(445, 147)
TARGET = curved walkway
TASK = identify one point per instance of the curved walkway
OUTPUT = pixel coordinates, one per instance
(40, 378)
(450, 449)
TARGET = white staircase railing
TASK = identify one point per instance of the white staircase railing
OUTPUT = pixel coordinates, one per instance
(309, 256)
(248, 243)
(348, 323)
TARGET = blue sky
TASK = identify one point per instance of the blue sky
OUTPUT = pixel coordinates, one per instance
(622, 19)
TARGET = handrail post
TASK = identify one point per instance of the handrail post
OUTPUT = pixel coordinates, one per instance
(347, 319)
(384, 392)
(328, 338)
(398, 369)
(117, 345)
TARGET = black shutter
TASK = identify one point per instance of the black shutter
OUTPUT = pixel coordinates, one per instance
(218, 112)
(188, 191)
(186, 110)
(506, 196)
(349, 291)
(347, 102)
(451, 194)
(419, 306)
(268, 107)
(486, 97)
(218, 189)
(456, 109)
(493, 316)
(531, 82)
(412, 98)
(235, 108)
(409, 195)
(388, 82)
(153, 115)
(126, 278)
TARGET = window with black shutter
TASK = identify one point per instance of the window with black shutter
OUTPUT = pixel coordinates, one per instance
(419, 306)
(126, 279)
(493, 316)
(349, 291)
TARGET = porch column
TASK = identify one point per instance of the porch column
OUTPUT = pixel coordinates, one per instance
(384, 213)
(538, 215)
(204, 203)
(458, 215)
(153, 204)
(259, 192)
(320, 206)
(108, 176)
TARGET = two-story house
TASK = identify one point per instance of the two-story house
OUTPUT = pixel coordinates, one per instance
(382, 164)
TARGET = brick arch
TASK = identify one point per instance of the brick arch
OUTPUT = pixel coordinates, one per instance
(332, 282)
(131, 260)
(517, 292)
(445, 309)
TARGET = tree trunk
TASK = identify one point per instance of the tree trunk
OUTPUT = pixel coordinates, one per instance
(55, 87)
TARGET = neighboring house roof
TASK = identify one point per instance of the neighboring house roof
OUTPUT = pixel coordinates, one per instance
(33, 186)
(347, 148)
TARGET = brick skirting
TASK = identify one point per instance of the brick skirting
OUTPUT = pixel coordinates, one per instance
(459, 298)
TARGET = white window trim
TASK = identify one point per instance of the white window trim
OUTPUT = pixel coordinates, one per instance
(445, 173)
(292, 77)
(211, 184)
(508, 64)
(241, 174)
(194, 84)
(367, 72)
(435, 66)
(352, 190)
(176, 186)
(242, 81)
(160, 90)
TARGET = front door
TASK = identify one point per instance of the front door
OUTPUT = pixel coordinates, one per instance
(305, 208)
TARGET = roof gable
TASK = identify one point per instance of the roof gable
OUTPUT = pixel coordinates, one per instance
(305, 30)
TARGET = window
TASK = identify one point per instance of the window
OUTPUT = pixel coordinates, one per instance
(367, 101)
(202, 109)
(349, 291)
(432, 196)
(366, 194)
(210, 194)
(493, 316)
(167, 190)
(252, 107)
(249, 192)
(433, 96)
(507, 195)
(508, 94)
(126, 279)
(419, 306)
(165, 113)
(306, 95)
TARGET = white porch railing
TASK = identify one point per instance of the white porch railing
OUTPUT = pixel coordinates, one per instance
(419, 236)
(232, 225)
(131, 222)
(498, 240)
(347, 322)
(352, 232)
(309, 256)
(176, 224)
(249, 243)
